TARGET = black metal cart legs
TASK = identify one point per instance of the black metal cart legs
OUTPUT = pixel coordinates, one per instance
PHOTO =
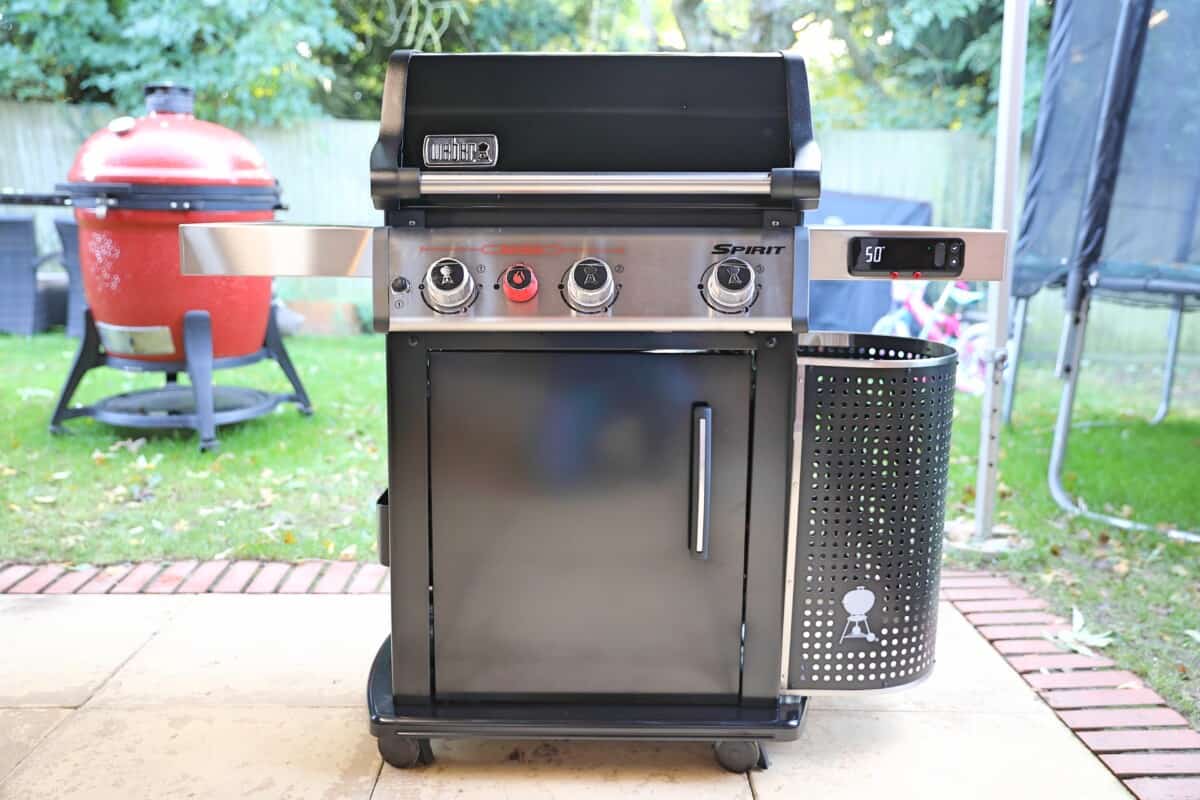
(202, 406)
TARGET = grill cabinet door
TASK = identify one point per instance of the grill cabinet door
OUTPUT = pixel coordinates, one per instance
(562, 486)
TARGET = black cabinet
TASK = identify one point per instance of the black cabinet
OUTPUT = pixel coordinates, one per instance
(565, 493)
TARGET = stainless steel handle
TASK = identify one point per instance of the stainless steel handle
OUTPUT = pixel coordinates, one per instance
(266, 248)
(701, 494)
(624, 183)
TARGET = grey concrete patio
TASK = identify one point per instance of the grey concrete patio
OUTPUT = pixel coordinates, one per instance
(262, 696)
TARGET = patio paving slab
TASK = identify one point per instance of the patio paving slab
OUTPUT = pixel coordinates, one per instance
(853, 755)
(967, 676)
(201, 752)
(262, 696)
(20, 731)
(57, 650)
(292, 650)
(504, 770)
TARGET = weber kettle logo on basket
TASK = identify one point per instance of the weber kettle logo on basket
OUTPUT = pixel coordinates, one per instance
(461, 150)
(858, 602)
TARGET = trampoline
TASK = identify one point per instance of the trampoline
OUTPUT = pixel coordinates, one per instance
(1113, 194)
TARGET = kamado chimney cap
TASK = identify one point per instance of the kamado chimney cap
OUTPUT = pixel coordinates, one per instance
(166, 97)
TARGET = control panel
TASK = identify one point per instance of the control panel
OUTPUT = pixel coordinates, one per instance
(573, 279)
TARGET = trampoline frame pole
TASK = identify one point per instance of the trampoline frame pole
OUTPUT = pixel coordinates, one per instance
(1174, 330)
(1071, 360)
(1020, 314)
(1014, 39)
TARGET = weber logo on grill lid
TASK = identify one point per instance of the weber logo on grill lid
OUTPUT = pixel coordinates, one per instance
(461, 150)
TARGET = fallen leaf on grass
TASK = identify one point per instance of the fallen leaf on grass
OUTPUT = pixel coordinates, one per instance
(268, 497)
(960, 529)
(61, 476)
(1079, 638)
(1180, 570)
(6, 471)
(132, 445)
(144, 465)
(1121, 568)
(99, 457)
(1194, 634)
(45, 499)
(349, 553)
(29, 392)
(289, 537)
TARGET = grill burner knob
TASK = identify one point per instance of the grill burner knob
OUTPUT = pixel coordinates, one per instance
(730, 285)
(519, 283)
(448, 285)
(590, 285)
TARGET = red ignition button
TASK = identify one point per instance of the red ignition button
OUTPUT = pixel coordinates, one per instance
(520, 284)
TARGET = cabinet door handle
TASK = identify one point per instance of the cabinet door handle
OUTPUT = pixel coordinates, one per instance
(701, 494)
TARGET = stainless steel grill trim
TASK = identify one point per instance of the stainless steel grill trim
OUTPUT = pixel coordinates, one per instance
(789, 580)
(624, 183)
(986, 254)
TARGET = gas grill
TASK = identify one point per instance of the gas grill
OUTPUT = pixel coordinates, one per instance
(629, 494)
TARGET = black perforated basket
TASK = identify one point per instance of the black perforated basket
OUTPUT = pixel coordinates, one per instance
(872, 448)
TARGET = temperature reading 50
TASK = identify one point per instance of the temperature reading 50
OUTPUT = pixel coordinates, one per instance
(873, 255)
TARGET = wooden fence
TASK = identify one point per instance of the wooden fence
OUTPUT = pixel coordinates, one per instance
(322, 166)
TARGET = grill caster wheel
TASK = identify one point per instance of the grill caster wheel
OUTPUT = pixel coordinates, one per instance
(405, 752)
(741, 756)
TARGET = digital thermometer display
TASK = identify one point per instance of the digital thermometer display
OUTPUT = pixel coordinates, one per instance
(906, 256)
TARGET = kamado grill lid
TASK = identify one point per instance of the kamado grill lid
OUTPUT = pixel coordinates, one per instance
(169, 160)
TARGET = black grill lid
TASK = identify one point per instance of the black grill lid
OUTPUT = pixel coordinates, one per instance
(599, 113)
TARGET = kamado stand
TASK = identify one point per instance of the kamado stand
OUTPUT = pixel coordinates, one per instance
(642, 501)
(133, 183)
(203, 406)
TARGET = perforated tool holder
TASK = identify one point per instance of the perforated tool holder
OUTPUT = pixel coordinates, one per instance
(873, 446)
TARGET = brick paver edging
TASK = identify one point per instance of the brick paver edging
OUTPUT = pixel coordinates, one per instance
(196, 577)
(1127, 725)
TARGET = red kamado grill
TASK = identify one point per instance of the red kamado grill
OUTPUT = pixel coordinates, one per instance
(630, 494)
(132, 184)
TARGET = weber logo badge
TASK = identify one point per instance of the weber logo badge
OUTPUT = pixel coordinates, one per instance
(461, 150)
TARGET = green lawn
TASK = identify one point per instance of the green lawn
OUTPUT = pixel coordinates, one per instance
(281, 487)
(289, 487)
(1141, 586)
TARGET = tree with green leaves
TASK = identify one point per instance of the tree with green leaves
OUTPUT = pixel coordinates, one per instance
(250, 61)
(874, 63)
(890, 63)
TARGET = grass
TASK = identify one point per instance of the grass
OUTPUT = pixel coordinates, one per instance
(1141, 586)
(281, 487)
(290, 487)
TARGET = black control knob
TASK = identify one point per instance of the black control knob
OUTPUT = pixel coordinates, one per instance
(449, 286)
(590, 285)
(730, 285)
